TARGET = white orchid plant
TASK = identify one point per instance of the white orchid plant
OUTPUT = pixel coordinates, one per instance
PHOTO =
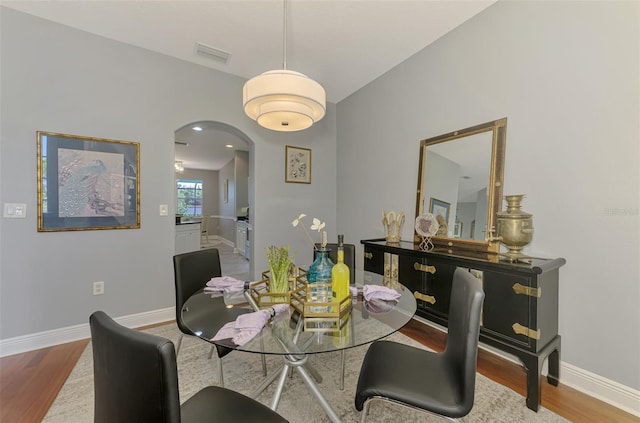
(316, 225)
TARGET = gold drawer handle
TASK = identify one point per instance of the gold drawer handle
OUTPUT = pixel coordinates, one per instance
(426, 298)
(523, 330)
(424, 268)
(527, 290)
(368, 255)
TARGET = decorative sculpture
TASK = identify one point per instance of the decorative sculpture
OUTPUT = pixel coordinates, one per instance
(426, 226)
(392, 223)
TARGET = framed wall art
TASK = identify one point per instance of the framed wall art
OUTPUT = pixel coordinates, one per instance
(298, 165)
(87, 183)
(439, 208)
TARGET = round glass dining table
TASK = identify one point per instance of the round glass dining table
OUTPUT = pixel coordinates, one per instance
(290, 336)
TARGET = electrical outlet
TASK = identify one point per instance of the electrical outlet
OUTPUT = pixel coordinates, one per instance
(98, 288)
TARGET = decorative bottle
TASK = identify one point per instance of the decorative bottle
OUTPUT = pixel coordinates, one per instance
(319, 279)
(340, 275)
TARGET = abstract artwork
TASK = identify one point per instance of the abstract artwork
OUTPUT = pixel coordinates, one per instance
(87, 183)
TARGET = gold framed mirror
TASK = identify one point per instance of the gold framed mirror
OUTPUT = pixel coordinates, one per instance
(460, 178)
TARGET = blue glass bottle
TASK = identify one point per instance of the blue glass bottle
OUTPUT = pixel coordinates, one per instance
(319, 274)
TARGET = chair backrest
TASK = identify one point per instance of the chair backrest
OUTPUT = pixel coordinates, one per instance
(191, 272)
(135, 374)
(349, 258)
(461, 351)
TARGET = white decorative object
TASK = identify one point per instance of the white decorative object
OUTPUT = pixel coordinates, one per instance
(392, 223)
(426, 226)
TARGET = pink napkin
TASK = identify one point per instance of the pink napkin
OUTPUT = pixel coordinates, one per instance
(246, 326)
(375, 292)
(225, 284)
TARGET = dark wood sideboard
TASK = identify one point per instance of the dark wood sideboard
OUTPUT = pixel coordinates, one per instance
(520, 314)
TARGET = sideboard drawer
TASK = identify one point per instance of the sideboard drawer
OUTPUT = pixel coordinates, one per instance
(373, 260)
(439, 285)
(506, 312)
(415, 280)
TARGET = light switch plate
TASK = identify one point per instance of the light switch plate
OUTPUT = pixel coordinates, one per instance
(15, 210)
(164, 210)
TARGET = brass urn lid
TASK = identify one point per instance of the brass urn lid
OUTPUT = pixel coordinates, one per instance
(513, 208)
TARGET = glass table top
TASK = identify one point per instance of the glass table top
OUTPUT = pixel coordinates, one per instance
(288, 333)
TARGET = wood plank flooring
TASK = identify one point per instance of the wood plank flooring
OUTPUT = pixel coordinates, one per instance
(30, 382)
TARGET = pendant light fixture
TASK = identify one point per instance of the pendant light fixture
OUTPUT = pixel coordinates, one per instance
(284, 100)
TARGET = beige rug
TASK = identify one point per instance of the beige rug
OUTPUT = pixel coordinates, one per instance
(242, 372)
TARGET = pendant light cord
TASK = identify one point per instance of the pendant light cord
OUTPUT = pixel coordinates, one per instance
(284, 34)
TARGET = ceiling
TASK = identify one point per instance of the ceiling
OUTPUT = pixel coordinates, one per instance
(342, 44)
(207, 149)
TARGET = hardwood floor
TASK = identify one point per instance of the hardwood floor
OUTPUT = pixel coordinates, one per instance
(30, 382)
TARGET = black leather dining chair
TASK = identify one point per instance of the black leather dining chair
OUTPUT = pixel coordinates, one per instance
(440, 383)
(136, 380)
(192, 271)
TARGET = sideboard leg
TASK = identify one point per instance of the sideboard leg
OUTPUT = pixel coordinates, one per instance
(553, 377)
(533, 365)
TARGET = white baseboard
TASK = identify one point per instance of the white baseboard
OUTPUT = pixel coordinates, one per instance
(225, 241)
(35, 341)
(609, 391)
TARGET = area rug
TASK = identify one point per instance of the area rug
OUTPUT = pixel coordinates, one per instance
(243, 371)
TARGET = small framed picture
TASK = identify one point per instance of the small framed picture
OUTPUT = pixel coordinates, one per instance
(457, 229)
(298, 165)
(439, 208)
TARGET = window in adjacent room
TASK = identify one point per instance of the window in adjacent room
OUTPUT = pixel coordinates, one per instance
(190, 197)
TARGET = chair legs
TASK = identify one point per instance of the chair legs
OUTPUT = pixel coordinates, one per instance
(367, 405)
(341, 386)
(213, 347)
(221, 375)
(179, 344)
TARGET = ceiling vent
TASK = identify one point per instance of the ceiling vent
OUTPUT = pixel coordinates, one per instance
(212, 53)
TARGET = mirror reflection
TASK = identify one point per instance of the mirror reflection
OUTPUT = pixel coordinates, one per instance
(456, 175)
(460, 182)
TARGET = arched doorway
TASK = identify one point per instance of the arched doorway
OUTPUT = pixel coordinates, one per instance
(214, 187)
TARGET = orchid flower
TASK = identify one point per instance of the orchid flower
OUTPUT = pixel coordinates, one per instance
(316, 225)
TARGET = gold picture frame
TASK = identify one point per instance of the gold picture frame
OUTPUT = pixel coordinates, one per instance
(87, 183)
(297, 165)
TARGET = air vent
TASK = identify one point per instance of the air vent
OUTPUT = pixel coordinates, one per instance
(212, 53)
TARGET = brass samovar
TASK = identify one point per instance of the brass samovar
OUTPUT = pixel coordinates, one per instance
(515, 228)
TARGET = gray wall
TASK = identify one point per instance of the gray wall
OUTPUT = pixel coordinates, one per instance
(565, 74)
(241, 181)
(227, 211)
(58, 79)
